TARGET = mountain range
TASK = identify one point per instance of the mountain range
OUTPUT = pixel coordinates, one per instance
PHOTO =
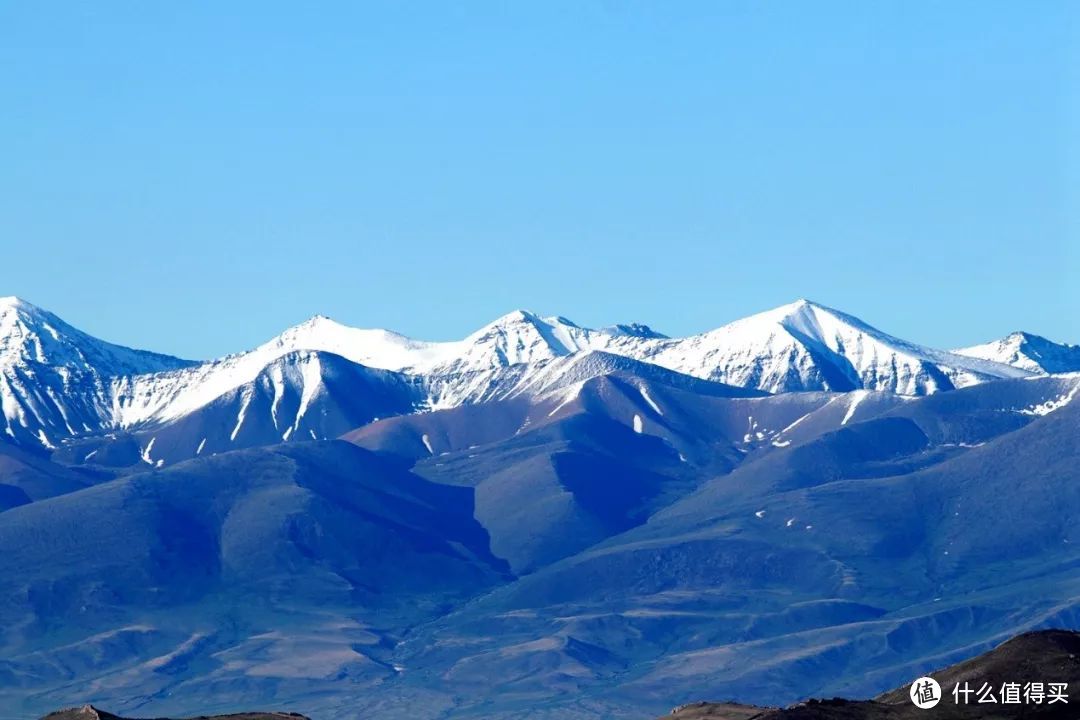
(60, 388)
(539, 520)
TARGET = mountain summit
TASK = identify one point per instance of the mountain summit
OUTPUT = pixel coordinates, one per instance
(807, 346)
(56, 381)
(1029, 352)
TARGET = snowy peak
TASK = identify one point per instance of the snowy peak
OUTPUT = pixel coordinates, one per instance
(375, 348)
(10, 302)
(301, 395)
(573, 370)
(29, 334)
(1029, 352)
(55, 380)
(818, 323)
(519, 337)
(807, 346)
(634, 330)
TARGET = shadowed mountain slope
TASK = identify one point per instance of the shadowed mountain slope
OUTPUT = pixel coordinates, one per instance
(843, 564)
(221, 582)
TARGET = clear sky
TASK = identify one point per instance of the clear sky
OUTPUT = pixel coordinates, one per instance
(195, 177)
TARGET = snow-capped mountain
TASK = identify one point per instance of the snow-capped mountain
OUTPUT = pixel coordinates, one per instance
(512, 356)
(153, 399)
(796, 347)
(1032, 353)
(806, 346)
(550, 377)
(302, 395)
(55, 380)
(58, 383)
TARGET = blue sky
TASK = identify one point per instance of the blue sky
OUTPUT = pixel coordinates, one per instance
(193, 178)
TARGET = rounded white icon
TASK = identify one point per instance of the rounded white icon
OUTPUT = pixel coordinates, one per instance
(925, 693)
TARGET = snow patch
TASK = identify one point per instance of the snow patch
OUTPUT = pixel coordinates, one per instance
(278, 380)
(245, 402)
(795, 424)
(570, 397)
(146, 452)
(312, 378)
(1051, 405)
(856, 397)
(652, 403)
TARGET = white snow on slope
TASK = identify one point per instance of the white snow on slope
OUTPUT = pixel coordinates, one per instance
(312, 386)
(648, 398)
(1028, 352)
(245, 403)
(856, 397)
(569, 398)
(806, 346)
(1053, 404)
(795, 424)
(54, 378)
(145, 454)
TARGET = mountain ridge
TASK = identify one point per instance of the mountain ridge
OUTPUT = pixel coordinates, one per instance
(1028, 351)
(98, 388)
